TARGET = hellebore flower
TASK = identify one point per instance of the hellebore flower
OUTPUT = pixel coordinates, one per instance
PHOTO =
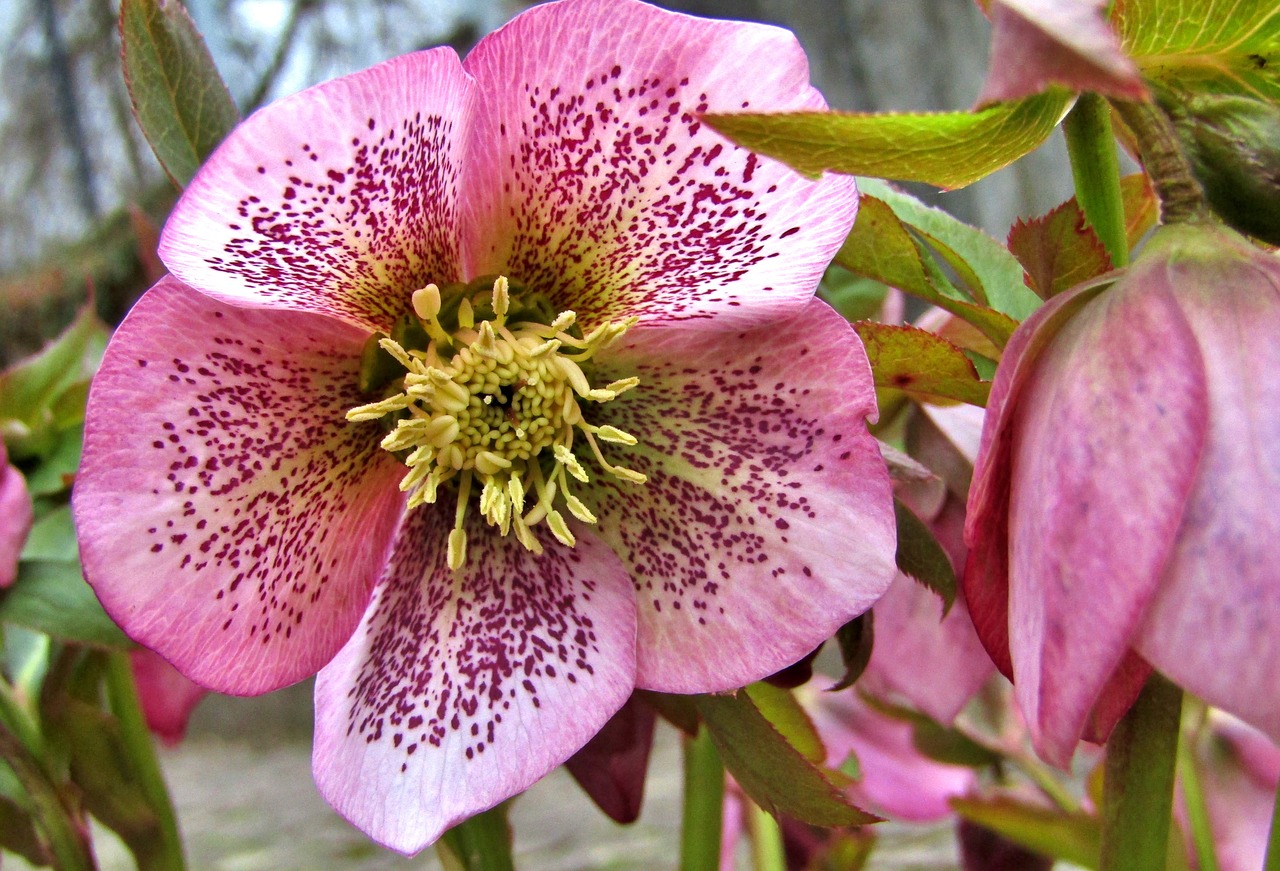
(492, 390)
(15, 518)
(1122, 510)
(1239, 771)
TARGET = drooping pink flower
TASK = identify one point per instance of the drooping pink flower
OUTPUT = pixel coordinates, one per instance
(15, 518)
(633, 445)
(168, 698)
(1239, 771)
(1122, 515)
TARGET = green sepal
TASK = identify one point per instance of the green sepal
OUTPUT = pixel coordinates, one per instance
(1069, 837)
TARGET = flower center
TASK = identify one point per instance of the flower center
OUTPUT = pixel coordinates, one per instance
(486, 389)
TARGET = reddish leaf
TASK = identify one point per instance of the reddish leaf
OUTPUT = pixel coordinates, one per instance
(920, 363)
(1058, 250)
(1039, 43)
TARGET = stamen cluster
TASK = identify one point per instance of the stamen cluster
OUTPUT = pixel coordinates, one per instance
(494, 403)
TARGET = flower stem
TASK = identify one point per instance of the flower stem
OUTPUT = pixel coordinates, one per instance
(1138, 782)
(481, 843)
(62, 833)
(703, 804)
(1181, 196)
(1095, 168)
(135, 738)
(766, 840)
(1192, 793)
(1272, 862)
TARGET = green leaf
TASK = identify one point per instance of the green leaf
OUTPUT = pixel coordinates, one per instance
(58, 463)
(779, 707)
(44, 393)
(946, 149)
(922, 558)
(53, 598)
(1071, 838)
(1226, 46)
(949, 745)
(178, 97)
(1058, 250)
(881, 247)
(921, 363)
(854, 296)
(857, 640)
(772, 772)
(52, 537)
(992, 275)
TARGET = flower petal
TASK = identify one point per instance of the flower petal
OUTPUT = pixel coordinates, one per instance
(340, 199)
(1214, 627)
(611, 767)
(986, 532)
(594, 180)
(15, 518)
(1107, 435)
(767, 521)
(460, 689)
(229, 516)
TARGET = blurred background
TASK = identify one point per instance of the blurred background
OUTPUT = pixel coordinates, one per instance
(81, 203)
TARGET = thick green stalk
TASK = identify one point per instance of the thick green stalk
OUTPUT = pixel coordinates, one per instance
(703, 804)
(1181, 196)
(767, 849)
(481, 843)
(1272, 862)
(1138, 782)
(122, 694)
(1095, 168)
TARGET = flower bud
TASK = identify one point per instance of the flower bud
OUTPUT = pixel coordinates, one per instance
(1233, 144)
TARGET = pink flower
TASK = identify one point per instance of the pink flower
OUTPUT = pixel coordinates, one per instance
(15, 518)
(1239, 772)
(633, 445)
(167, 697)
(1122, 512)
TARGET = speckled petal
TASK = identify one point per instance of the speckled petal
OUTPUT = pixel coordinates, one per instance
(1214, 627)
(229, 516)
(461, 689)
(596, 182)
(766, 522)
(15, 518)
(1107, 435)
(340, 199)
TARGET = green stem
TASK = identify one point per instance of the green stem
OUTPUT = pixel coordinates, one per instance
(481, 843)
(122, 694)
(766, 839)
(1193, 794)
(1272, 862)
(1138, 782)
(14, 715)
(64, 835)
(703, 804)
(1095, 168)
(1181, 196)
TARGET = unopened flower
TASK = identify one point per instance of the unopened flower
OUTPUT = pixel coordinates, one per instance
(492, 390)
(1122, 513)
(15, 518)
